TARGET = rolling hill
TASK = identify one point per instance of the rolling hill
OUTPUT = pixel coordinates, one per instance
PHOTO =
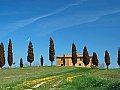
(59, 78)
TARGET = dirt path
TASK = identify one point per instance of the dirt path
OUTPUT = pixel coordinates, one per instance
(51, 82)
(38, 85)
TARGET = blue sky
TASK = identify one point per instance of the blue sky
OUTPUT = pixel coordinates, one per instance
(91, 23)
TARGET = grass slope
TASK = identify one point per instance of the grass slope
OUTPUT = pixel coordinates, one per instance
(59, 78)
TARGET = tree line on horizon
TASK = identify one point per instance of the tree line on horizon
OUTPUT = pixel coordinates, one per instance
(30, 56)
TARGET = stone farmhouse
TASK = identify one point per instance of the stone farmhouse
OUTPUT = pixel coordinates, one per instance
(68, 61)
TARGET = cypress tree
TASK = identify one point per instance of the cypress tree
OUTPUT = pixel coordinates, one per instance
(51, 51)
(74, 54)
(21, 62)
(63, 60)
(95, 59)
(107, 58)
(2, 55)
(10, 54)
(86, 58)
(119, 57)
(41, 59)
(30, 57)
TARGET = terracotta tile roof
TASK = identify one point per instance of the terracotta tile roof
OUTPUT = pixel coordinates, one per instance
(70, 55)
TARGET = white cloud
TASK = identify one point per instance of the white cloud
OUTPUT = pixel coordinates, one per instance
(22, 23)
(68, 21)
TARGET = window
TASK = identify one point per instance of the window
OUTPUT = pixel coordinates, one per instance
(81, 59)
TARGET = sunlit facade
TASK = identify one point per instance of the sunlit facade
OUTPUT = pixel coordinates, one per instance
(68, 61)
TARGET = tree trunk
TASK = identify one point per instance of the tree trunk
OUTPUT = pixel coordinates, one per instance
(30, 64)
(107, 66)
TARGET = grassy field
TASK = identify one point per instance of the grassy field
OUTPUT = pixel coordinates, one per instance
(59, 78)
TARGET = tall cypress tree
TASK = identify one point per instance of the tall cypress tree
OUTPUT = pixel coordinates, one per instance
(10, 54)
(41, 59)
(86, 58)
(74, 54)
(63, 59)
(95, 59)
(30, 57)
(119, 57)
(21, 62)
(107, 58)
(2, 55)
(51, 51)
